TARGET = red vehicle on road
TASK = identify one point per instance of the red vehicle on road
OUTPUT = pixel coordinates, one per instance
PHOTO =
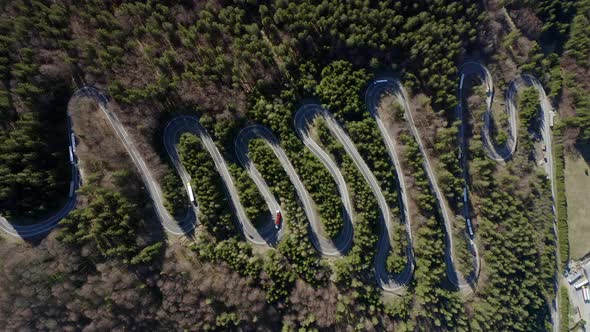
(278, 219)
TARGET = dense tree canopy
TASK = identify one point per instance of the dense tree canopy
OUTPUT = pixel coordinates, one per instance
(32, 177)
(516, 231)
(108, 225)
(214, 206)
(576, 79)
(235, 62)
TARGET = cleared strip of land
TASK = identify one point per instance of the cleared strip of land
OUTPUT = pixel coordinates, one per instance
(577, 185)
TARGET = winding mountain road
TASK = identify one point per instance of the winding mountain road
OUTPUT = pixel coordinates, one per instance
(325, 246)
(520, 82)
(15, 229)
(394, 87)
(499, 154)
(304, 116)
(177, 227)
(506, 152)
(344, 240)
(172, 226)
(267, 235)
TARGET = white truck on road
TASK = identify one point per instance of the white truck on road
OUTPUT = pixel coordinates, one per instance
(191, 196)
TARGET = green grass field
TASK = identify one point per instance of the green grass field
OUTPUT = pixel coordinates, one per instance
(577, 184)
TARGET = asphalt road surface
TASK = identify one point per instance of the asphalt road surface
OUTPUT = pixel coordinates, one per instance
(172, 226)
(177, 227)
(343, 241)
(503, 154)
(323, 245)
(267, 234)
(29, 231)
(389, 85)
(305, 115)
(190, 124)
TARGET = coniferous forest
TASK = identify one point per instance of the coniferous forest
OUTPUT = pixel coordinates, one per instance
(111, 266)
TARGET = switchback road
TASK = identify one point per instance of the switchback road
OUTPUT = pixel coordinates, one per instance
(503, 154)
(304, 116)
(177, 227)
(389, 85)
(190, 124)
(267, 235)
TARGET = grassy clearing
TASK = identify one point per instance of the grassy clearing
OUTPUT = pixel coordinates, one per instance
(564, 309)
(560, 197)
(577, 183)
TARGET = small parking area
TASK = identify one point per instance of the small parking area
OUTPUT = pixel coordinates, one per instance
(578, 283)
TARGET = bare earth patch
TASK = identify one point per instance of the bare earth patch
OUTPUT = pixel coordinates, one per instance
(103, 159)
(97, 147)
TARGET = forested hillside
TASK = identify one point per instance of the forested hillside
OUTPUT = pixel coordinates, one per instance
(213, 55)
(236, 62)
